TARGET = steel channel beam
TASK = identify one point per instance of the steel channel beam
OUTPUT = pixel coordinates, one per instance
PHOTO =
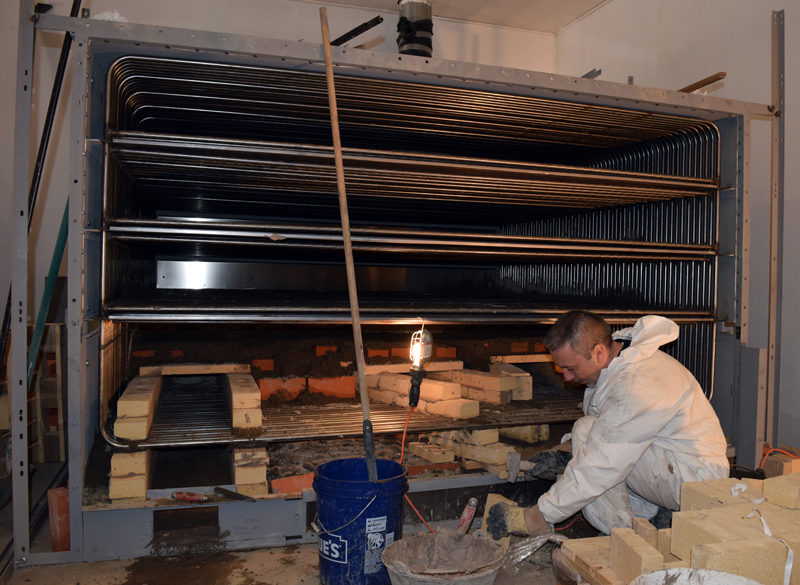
(17, 371)
(776, 227)
(231, 47)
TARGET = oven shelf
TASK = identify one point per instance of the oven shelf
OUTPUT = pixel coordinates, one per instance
(195, 423)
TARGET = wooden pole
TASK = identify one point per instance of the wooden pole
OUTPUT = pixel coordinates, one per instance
(369, 444)
(704, 82)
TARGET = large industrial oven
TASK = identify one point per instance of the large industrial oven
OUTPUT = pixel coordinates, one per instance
(204, 223)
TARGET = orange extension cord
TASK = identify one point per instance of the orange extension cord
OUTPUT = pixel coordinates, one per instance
(767, 454)
(402, 456)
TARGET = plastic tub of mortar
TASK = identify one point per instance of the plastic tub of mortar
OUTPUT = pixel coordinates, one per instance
(443, 558)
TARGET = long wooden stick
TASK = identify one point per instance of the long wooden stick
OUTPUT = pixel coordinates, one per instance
(369, 444)
(704, 82)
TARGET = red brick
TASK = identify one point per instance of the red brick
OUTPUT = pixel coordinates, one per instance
(293, 484)
(144, 353)
(263, 365)
(539, 347)
(519, 347)
(340, 387)
(384, 353)
(448, 353)
(323, 349)
(176, 353)
(282, 388)
(402, 351)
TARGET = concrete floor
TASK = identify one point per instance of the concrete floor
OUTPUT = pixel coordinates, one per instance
(293, 565)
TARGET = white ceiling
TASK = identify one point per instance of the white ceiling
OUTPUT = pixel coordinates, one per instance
(548, 16)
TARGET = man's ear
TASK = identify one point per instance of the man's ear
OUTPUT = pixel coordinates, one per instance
(599, 353)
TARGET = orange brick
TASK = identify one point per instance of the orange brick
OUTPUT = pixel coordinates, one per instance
(263, 365)
(282, 388)
(539, 347)
(446, 353)
(384, 353)
(176, 353)
(144, 353)
(402, 351)
(292, 484)
(519, 347)
(323, 349)
(340, 387)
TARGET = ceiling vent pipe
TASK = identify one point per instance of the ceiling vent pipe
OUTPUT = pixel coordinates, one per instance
(415, 28)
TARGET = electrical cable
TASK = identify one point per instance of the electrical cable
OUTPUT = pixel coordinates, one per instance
(402, 456)
(767, 454)
(574, 520)
(418, 514)
(403, 441)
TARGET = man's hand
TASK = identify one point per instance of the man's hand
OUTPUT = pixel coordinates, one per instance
(505, 519)
(535, 522)
(548, 464)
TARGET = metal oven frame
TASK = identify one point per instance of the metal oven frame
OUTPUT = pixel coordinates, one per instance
(96, 534)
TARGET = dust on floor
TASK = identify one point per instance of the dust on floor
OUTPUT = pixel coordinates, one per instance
(292, 565)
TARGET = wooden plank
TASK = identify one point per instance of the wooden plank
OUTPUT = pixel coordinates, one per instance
(646, 530)
(405, 368)
(490, 396)
(135, 428)
(5, 413)
(244, 391)
(432, 453)
(783, 490)
(139, 397)
(631, 555)
(193, 369)
(62, 443)
(39, 423)
(247, 418)
(477, 379)
(130, 463)
(522, 359)
(524, 388)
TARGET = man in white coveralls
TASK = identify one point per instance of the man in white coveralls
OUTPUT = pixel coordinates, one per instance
(647, 428)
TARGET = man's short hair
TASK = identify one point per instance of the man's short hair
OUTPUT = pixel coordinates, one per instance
(581, 331)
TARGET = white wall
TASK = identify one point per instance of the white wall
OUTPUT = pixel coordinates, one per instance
(672, 43)
(295, 20)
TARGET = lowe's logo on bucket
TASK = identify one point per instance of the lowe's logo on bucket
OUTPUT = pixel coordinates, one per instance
(333, 548)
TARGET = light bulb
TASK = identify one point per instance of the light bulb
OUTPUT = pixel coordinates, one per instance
(421, 348)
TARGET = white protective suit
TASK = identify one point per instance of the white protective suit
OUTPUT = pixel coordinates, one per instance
(648, 428)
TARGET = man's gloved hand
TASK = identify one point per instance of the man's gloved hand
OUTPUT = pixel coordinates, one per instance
(505, 519)
(548, 464)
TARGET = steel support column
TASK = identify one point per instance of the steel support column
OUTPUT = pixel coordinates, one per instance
(776, 228)
(18, 376)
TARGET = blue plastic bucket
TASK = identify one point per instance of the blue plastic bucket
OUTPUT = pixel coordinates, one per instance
(357, 519)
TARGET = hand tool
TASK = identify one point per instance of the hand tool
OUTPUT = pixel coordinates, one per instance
(467, 515)
(514, 464)
(190, 497)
